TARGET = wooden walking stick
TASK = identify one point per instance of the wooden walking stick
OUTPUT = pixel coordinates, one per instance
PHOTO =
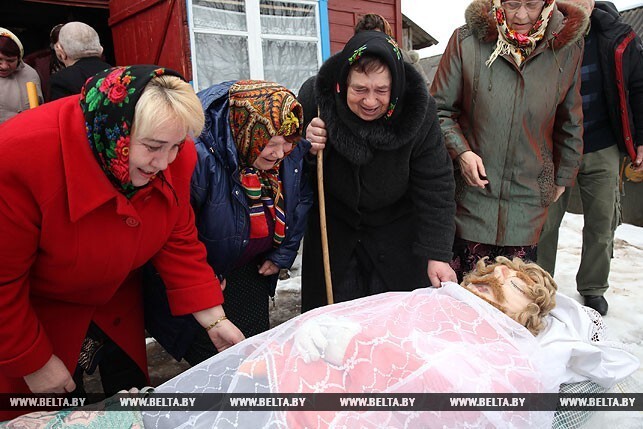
(322, 223)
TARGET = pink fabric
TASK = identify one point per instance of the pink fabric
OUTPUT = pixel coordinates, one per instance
(385, 358)
(427, 341)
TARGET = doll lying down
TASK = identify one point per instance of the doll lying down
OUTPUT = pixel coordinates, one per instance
(504, 331)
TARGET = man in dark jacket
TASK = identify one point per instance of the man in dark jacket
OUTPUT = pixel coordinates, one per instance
(612, 90)
(79, 48)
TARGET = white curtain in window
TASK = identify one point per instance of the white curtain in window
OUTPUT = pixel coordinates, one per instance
(220, 58)
(289, 63)
(219, 15)
(288, 39)
(295, 19)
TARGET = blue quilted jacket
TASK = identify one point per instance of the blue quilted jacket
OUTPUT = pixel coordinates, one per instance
(219, 201)
(222, 217)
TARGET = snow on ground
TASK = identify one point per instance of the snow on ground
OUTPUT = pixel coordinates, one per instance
(625, 296)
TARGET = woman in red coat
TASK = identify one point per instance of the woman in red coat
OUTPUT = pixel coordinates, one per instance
(87, 196)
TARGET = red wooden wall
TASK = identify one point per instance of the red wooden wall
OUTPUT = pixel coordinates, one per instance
(151, 32)
(344, 14)
(156, 31)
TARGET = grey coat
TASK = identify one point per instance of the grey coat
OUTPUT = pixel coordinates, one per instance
(524, 122)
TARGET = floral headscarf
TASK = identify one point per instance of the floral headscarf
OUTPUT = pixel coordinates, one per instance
(108, 100)
(259, 111)
(519, 46)
(384, 47)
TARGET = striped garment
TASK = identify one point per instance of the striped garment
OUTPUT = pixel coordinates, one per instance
(261, 202)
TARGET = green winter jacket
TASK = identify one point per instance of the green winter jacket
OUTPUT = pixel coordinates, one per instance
(524, 122)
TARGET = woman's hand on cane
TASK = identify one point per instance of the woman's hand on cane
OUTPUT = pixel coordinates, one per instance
(316, 135)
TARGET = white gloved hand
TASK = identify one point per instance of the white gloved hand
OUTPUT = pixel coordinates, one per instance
(325, 337)
(310, 340)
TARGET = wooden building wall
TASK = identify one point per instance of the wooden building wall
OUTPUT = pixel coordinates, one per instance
(151, 32)
(344, 14)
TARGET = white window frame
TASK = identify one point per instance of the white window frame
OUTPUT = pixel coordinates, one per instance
(254, 37)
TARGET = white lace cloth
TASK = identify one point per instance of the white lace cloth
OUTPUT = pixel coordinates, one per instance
(443, 340)
(578, 347)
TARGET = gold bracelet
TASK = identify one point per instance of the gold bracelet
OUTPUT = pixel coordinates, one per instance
(216, 322)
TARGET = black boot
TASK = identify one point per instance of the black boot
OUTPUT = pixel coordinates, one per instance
(597, 302)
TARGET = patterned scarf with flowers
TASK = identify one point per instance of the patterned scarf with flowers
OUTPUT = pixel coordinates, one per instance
(108, 100)
(377, 44)
(519, 46)
(259, 111)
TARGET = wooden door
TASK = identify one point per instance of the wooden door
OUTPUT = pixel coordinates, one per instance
(151, 32)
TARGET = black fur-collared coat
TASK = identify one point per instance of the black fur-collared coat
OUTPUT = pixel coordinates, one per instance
(389, 189)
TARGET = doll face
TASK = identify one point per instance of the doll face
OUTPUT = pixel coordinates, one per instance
(503, 289)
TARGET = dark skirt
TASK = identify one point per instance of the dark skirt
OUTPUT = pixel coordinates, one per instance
(246, 304)
(361, 279)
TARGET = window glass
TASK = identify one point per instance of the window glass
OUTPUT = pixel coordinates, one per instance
(220, 58)
(282, 33)
(220, 15)
(288, 62)
(288, 18)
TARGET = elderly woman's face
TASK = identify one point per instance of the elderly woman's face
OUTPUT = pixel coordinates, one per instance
(369, 95)
(276, 149)
(522, 15)
(152, 154)
(8, 65)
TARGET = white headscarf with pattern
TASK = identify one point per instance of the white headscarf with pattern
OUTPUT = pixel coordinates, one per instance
(510, 42)
(6, 33)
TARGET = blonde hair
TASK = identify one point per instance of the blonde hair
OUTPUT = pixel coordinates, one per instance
(541, 289)
(168, 99)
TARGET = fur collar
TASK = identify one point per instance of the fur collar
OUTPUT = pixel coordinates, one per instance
(567, 25)
(356, 139)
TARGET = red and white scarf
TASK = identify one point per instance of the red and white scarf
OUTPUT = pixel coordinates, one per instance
(510, 42)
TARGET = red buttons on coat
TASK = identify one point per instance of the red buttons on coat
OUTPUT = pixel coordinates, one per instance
(130, 221)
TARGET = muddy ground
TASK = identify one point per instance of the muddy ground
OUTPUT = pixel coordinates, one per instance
(163, 367)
